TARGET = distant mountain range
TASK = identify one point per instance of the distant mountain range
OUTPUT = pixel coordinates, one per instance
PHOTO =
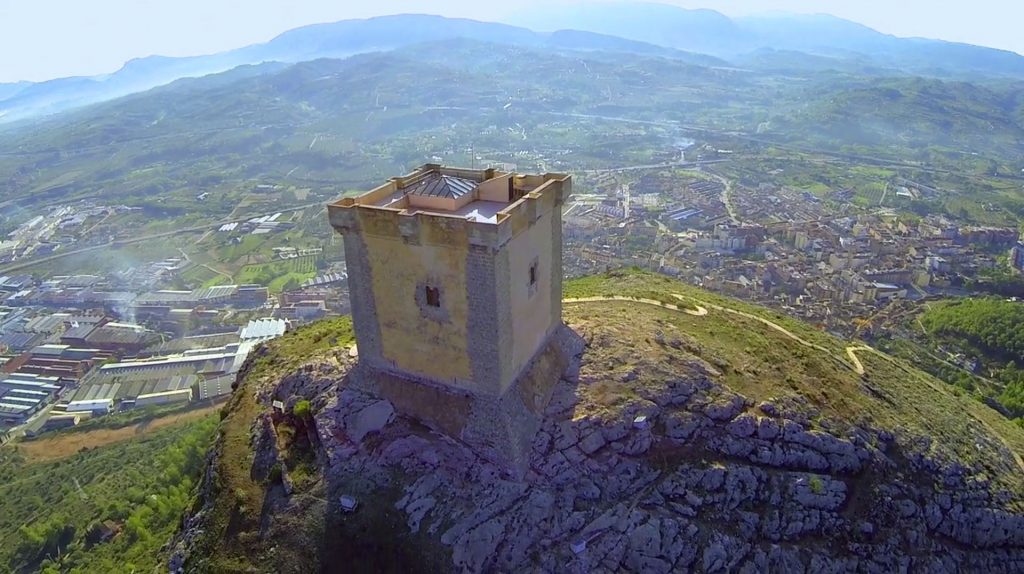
(710, 32)
(336, 40)
(701, 37)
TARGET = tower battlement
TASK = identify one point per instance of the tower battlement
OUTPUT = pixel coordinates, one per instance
(451, 206)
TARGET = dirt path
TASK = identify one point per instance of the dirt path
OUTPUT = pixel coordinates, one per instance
(852, 353)
(217, 271)
(762, 320)
(697, 311)
(66, 444)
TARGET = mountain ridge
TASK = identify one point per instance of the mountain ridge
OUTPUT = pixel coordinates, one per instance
(678, 27)
(828, 109)
(698, 36)
(328, 40)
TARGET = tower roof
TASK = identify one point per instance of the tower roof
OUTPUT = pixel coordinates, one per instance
(447, 186)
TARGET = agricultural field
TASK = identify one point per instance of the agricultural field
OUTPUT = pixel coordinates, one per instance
(200, 276)
(279, 275)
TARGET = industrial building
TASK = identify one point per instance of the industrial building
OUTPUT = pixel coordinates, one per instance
(30, 382)
(164, 397)
(93, 407)
(263, 330)
(14, 413)
(207, 362)
(219, 296)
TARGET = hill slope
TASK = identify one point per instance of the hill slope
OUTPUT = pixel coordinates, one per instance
(766, 449)
(60, 489)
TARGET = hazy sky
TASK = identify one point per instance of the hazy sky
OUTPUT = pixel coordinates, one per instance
(42, 39)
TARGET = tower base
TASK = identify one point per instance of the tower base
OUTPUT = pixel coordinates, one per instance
(500, 429)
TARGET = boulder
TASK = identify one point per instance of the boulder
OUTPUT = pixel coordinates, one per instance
(681, 426)
(742, 426)
(724, 410)
(646, 539)
(371, 419)
(474, 548)
(820, 492)
(638, 443)
(767, 428)
(566, 436)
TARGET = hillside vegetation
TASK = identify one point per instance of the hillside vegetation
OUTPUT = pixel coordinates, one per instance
(924, 115)
(229, 543)
(892, 391)
(996, 326)
(57, 499)
(992, 328)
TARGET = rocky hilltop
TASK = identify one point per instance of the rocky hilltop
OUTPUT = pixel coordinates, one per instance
(696, 433)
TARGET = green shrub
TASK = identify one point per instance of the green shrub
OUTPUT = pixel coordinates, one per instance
(816, 484)
(274, 476)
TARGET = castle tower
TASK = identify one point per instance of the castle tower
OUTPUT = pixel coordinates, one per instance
(455, 279)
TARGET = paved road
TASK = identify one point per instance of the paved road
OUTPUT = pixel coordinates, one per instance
(667, 164)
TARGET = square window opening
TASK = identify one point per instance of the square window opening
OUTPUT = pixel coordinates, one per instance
(433, 296)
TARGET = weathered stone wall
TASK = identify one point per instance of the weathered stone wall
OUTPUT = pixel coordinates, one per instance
(436, 406)
(504, 429)
(364, 304)
(503, 326)
(430, 342)
(532, 314)
(555, 247)
(492, 320)
(487, 325)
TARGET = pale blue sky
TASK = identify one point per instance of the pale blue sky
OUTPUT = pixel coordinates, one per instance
(42, 39)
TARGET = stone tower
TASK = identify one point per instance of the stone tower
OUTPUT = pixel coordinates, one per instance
(455, 279)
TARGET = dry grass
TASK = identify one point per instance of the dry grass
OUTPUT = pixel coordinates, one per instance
(62, 445)
(231, 542)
